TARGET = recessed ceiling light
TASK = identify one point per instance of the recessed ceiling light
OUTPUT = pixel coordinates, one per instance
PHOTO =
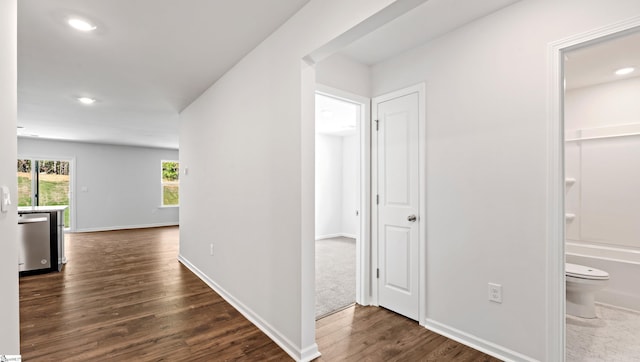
(81, 25)
(86, 100)
(20, 127)
(623, 71)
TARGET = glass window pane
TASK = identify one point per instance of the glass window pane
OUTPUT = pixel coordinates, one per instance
(24, 183)
(170, 183)
(53, 185)
(170, 194)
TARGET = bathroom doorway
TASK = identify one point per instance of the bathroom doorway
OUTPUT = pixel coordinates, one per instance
(601, 148)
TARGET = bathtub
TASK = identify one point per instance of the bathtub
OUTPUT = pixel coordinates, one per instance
(622, 264)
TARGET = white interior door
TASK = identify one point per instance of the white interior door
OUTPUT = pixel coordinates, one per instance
(398, 187)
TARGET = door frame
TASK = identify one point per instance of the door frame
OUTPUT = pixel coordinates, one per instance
(72, 182)
(363, 237)
(419, 88)
(556, 324)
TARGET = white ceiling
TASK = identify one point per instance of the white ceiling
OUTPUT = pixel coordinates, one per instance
(596, 63)
(420, 25)
(336, 117)
(146, 61)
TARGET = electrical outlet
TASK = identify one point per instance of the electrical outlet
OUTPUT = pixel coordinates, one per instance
(210, 249)
(495, 292)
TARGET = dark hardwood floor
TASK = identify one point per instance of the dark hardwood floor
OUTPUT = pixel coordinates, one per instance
(376, 334)
(124, 296)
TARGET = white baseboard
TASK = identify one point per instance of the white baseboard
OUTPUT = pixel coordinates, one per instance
(331, 236)
(304, 355)
(618, 298)
(476, 343)
(125, 227)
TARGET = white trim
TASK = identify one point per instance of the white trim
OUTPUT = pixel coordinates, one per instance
(586, 134)
(297, 354)
(363, 237)
(419, 88)
(474, 342)
(555, 314)
(373, 207)
(126, 227)
(338, 235)
(555, 180)
(422, 157)
(599, 251)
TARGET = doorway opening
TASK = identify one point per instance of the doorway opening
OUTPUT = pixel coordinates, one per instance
(46, 182)
(340, 200)
(601, 144)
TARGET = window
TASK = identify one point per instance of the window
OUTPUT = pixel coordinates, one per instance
(44, 182)
(170, 183)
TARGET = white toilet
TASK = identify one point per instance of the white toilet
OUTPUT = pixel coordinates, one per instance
(582, 284)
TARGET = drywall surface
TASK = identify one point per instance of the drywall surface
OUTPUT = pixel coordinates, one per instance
(603, 105)
(115, 187)
(9, 312)
(487, 151)
(337, 186)
(606, 192)
(340, 72)
(329, 183)
(350, 185)
(249, 145)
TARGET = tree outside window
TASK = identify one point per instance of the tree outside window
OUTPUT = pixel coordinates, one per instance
(170, 183)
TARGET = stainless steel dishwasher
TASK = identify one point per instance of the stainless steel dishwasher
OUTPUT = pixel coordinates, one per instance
(34, 236)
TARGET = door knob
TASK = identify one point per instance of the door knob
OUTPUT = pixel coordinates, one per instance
(412, 218)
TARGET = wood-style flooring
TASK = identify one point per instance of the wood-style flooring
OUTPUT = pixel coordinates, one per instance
(376, 334)
(123, 296)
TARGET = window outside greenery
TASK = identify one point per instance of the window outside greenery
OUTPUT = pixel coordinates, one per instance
(170, 183)
(53, 184)
(24, 183)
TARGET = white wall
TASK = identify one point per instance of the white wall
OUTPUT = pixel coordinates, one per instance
(350, 184)
(487, 155)
(603, 105)
(122, 183)
(251, 160)
(343, 73)
(329, 184)
(607, 192)
(9, 313)
(337, 187)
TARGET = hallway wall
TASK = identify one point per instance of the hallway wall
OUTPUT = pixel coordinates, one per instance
(249, 144)
(9, 312)
(487, 167)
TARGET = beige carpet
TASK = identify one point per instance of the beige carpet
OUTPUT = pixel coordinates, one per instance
(335, 274)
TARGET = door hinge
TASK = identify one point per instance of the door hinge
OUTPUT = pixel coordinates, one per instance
(378, 273)
(377, 199)
(377, 125)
